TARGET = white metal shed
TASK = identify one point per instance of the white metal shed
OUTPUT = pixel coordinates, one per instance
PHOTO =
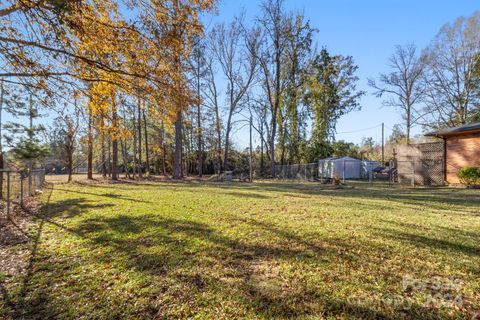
(342, 168)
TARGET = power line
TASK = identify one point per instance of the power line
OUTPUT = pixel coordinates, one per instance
(360, 130)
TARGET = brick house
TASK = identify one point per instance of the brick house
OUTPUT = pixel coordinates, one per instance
(461, 148)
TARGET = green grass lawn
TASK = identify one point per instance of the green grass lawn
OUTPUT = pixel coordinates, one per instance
(267, 250)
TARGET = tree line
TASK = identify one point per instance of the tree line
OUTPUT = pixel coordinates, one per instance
(438, 86)
(143, 87)
(140, 86)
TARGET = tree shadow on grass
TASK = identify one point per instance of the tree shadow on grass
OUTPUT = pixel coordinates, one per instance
(21, 305)
(430, 242)
(191, 258)
(36, 303)
(72, 207)
(110, 195)
(191, 249)
(448, 239)
(459, 201)
(246, 195)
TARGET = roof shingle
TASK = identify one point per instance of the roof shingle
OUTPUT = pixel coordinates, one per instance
(472, 127)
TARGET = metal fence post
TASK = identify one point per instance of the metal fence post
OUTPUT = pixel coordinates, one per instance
(413, 173)
(8, 194)
(323, 171)
(320, 172)
(29, 182)
(390, 175)
(370, 173)
(343, 172)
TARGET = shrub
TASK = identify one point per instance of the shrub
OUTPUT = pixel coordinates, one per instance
(469, 176)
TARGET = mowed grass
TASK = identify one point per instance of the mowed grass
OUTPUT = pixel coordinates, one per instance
(267, 250)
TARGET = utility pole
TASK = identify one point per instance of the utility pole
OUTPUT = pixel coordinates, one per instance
(383, 144)
(251, 151)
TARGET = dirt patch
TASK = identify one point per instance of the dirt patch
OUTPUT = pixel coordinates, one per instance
(16, 239)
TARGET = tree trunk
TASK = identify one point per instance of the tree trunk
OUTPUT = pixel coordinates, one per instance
(282, 143)
(262, 164)
(199, 140)
(164, 151)
(134, 143)
(262, 161)
(114, 159)
(188, 149)
(272, 149)
(109, 158)
(90, 146)
(1, 174)
(277, 98)
(104, 158)
(147, 157)
(178, 156)
(227, 147)
(218, 130)
(408, 124)
(179, 101)
(140, 164)
(1, 144)
(114, 139)
(70, 163)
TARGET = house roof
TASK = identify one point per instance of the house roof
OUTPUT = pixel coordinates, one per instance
(468, 128)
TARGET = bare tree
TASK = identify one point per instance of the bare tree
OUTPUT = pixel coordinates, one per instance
(451, 73)
(235, 52)
(211, 94)
(71, 129)
(259, 112)
(139, 128)
(199, 71)
(90, 144)
(147, 149)
(403, 84)
(62, 137)
(274, 24)
(114, 138)
(2, 98)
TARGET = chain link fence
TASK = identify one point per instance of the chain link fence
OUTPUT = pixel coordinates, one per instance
(347, 169)
(327, 170)
(299, 172)
(15, 186)
(424, 172)
(415, 172)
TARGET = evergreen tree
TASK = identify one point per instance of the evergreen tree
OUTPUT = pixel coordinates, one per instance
(23, 137)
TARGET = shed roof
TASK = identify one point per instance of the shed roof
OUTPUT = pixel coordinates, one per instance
(339, 158)
(468, 128)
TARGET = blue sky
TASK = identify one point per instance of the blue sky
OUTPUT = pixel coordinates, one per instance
(368, 30)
